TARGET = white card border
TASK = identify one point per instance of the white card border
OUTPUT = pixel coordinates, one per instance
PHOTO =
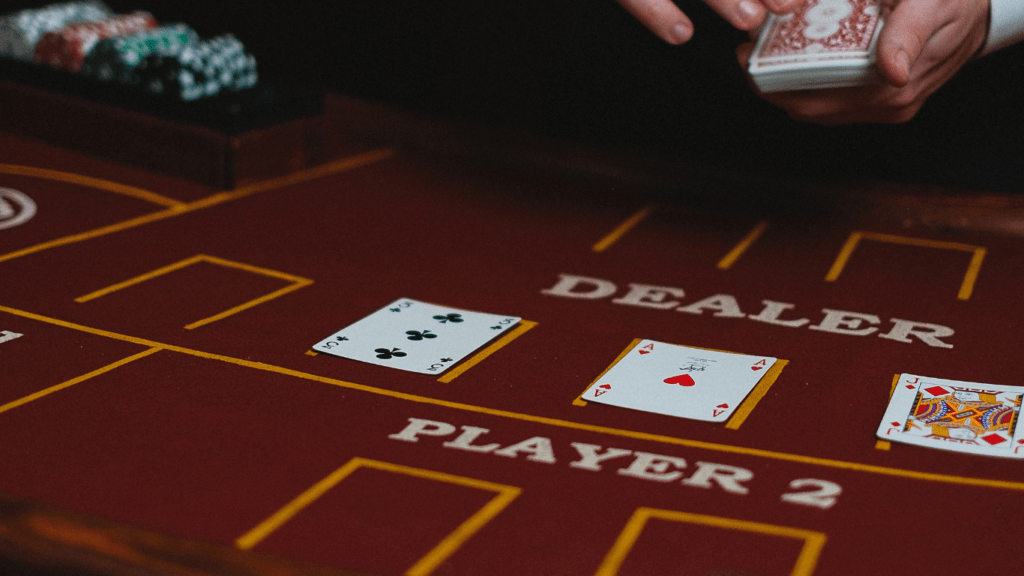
(902, 398)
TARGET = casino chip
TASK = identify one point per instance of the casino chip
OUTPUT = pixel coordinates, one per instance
(21, 31)
(115, 59)
(198, 70)
(128, 49)
(239, 67)
(67, 48)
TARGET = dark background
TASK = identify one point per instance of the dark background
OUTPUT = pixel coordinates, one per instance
(583, 70)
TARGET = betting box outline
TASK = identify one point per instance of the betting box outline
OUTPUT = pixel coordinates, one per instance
(970, 277)
(439, 553)
(356, 161)
(845, 253)
(296, 283)
(639, 216)
(739, 415)
(805, 563)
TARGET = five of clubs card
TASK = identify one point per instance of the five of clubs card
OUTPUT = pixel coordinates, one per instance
(954, 415)
(680, 381)
(416, 336)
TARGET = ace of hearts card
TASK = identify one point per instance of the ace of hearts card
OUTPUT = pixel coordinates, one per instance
(955, 415)
(416, 336)
(679, 381)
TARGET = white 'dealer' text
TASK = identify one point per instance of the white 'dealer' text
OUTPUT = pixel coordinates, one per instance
(727, 306)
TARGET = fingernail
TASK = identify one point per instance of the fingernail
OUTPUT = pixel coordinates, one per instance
(680, 33)
(748, 10)
(904, 62)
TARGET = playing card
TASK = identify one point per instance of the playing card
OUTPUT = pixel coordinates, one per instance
(416, 336)
(955, 415)
(823, 43)
(680, 381)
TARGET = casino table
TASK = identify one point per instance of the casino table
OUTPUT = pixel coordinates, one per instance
(162, 411)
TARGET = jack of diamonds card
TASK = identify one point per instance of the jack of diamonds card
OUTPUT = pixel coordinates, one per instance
(679, 381)
(416, 336)
(955, 415)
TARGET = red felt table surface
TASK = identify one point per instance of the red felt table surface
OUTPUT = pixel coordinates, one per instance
(116, 405)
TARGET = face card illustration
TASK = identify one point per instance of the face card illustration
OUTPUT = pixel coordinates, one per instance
(955, 415)
(680, 381)
(416, 336)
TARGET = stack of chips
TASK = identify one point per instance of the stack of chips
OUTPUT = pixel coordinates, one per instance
(115, 59)
(67, 47)
(21, 31)
(199, 69)
(239, 63)
(128, 49)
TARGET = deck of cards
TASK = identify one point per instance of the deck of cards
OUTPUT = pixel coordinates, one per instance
(954, 415)
(416, 336)
(680, 381)
(822, 44)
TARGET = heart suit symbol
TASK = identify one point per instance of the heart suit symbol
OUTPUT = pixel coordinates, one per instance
(682, 380)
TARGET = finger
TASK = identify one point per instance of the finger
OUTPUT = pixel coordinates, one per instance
(879, 104)
(807, 105)
(743, 14)
(782, 6)
(860, 116)
(907, 29)
(662, 17)
(743, 52)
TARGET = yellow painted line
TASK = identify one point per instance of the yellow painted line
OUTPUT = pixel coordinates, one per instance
(742, 411)
(556, 422)
(729, 259)
(249, 304)
(622, 229)
(140, 278)
(967, 287)
(844, 256)
(437, 555)
(95, 233)
(73, 381)
(524, 325)
(579, 401)
(804, 565)
(970, 277)
(924, 243)
(311, 353)
(213, 200)
(342, 165)
(755, 396)
(474, 523)
(97, 183)
(298, 282)
(254, 269)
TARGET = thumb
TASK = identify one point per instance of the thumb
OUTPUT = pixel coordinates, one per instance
(904, 34)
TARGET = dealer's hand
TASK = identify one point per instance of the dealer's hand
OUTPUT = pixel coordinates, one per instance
(923, 44)
(667, 21)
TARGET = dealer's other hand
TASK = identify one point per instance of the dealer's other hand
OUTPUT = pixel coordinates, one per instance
(923, 44)
(670, 24)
